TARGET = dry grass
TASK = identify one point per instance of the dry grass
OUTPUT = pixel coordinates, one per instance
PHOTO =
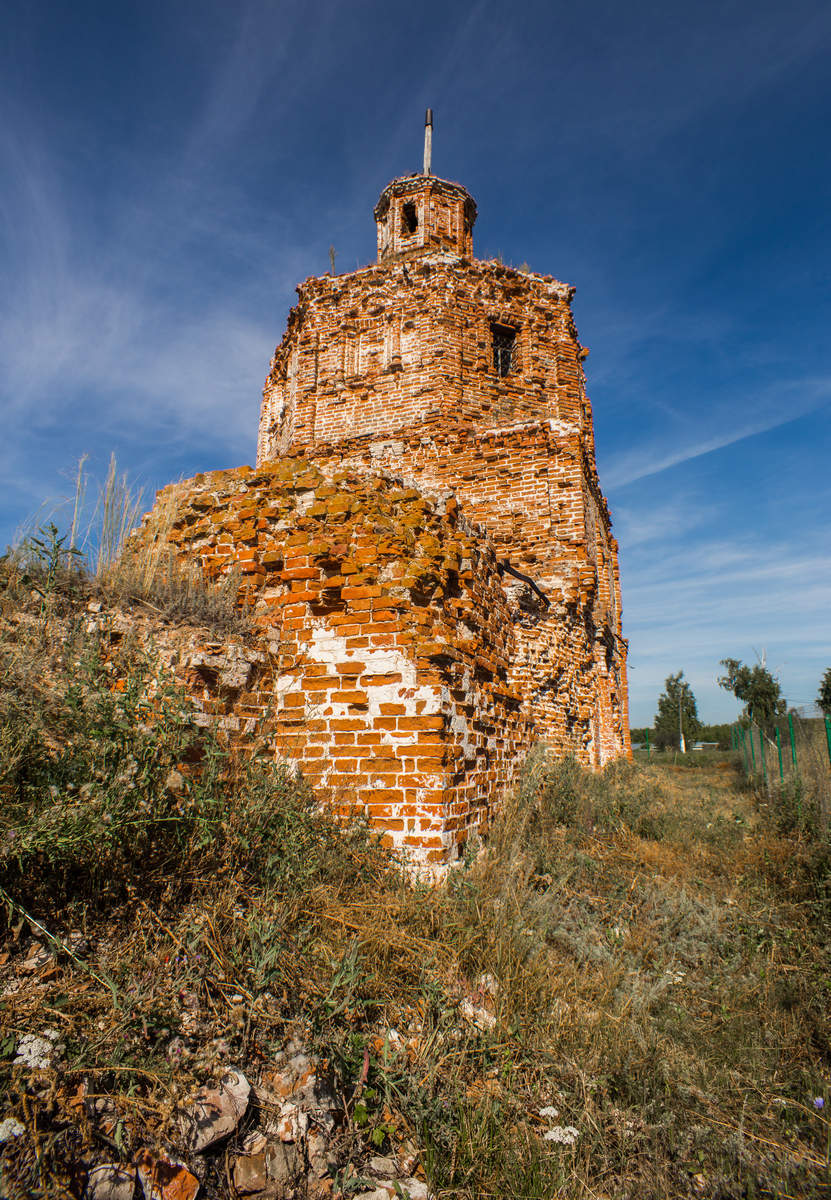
(649, 959)
(645, 951)
(814, 774)
(120, 564)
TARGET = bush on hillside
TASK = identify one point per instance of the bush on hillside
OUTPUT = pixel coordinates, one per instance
(108, 786)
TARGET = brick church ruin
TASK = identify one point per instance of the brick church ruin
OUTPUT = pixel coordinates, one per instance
(424, 546)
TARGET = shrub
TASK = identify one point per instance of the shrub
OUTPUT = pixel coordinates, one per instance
(109, 787)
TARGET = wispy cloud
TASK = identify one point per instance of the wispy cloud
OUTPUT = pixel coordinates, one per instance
(803, 397)
(704, 599)
(112, 325)
(638, 525)
(148, 261)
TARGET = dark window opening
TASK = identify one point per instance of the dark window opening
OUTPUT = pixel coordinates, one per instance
(409, 218)
(504, 348)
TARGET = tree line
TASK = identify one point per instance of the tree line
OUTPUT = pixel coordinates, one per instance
(677, 724)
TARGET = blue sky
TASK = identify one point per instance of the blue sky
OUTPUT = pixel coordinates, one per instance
(170, 170)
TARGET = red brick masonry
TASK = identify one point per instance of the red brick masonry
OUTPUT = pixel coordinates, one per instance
(402, 461)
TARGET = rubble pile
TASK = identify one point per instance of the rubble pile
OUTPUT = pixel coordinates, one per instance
(284, 1136)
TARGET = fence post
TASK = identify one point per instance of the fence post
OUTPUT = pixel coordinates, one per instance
(762, 755)
(752, 751)
(828, 736)
(648, 756)
(744, 749)
(779, 752)
(793, 743)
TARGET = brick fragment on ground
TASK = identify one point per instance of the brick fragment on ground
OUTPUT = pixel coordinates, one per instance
(162, 1179)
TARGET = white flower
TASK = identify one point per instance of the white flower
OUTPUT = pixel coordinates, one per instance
(36, 1052)
(566, 1135)
(550, 1111)
(10, 1128)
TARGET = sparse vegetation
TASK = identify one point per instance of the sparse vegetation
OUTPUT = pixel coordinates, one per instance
(114, 564)
(802, 799)
(642, 951)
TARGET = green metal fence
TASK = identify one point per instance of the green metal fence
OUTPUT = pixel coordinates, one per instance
(793, 753)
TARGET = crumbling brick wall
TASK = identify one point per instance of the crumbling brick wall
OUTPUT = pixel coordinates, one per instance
(424, 542)
(407, 344)
(397, 366)
(383, 641)
(528, 486)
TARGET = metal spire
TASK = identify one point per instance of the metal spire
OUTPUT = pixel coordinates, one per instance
(428, 142)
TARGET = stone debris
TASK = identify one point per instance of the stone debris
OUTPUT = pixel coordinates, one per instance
(76, 942)
(215, 1111)
(37, 958)
(380, 1165)
(283, 1163)
(412, 1189)
(392, 1042)
(487, 984)
(250, 1173)
(272, 1170)
(111, 1181)
(322, 1161)
(292, 1123)
(478, 1015)
(396, 1189)
(296, 1140)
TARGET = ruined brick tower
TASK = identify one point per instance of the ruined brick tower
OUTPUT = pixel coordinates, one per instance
(424, 543)
(468, 376)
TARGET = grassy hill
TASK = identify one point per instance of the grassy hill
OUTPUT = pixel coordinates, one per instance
(625, 993)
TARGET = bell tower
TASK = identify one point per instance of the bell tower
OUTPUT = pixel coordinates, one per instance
(466, 376)
(419, 213)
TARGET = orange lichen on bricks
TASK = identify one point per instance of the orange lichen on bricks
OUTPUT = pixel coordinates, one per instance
(372, 711)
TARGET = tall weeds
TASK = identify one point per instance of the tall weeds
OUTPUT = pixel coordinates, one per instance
(110, 558)
(116, 515)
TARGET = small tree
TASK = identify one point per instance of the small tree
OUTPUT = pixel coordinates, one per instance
(760, 691)
(824, 694)
(677, 714)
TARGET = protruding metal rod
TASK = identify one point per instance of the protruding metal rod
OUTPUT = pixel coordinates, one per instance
(428, 142)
